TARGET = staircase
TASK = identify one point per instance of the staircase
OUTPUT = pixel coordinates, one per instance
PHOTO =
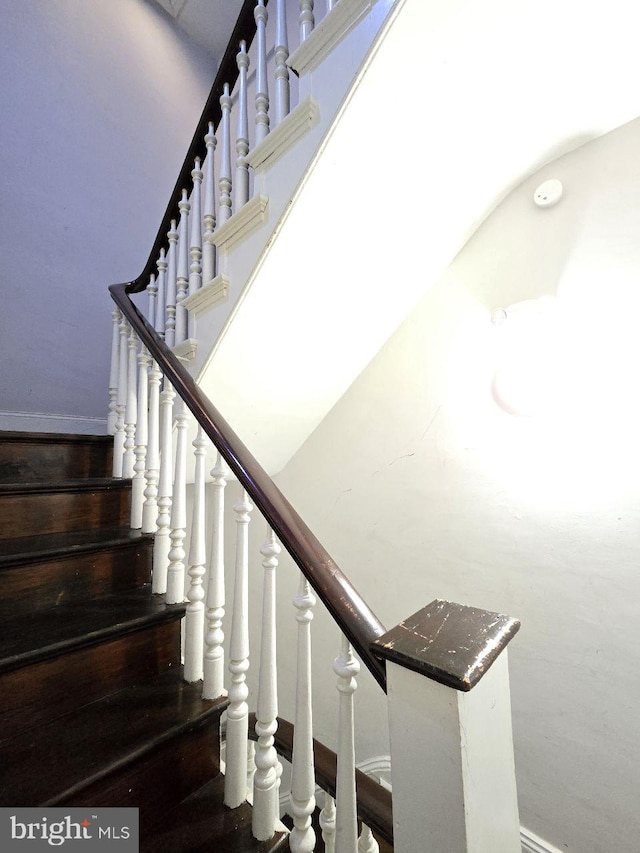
(93, 707)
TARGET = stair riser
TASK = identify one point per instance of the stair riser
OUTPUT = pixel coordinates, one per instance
(159, 780)
(74, 578)
(32, 458)
(43, 691)
(57, 512)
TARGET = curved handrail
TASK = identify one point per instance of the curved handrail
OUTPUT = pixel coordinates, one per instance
(354, 617)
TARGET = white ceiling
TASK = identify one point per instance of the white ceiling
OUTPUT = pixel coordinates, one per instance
(208, 22)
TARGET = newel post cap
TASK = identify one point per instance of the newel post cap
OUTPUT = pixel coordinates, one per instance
(447, 642)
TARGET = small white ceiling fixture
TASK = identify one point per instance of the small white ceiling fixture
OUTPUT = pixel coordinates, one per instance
(548, 193)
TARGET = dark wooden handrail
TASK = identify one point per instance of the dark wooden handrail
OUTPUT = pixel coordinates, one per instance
(245, 28)
(354, 617)
(373, 801)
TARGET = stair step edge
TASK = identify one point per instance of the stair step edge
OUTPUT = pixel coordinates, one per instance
(28, 549)
(90, 484)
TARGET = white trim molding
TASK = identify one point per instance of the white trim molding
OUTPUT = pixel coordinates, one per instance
(48, 422)
(186, 351)
(329, 32)
(534, 844)
(300, 121)
(242, 223)
(209, 295)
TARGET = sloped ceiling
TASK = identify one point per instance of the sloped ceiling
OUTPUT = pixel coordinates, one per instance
(208, 22)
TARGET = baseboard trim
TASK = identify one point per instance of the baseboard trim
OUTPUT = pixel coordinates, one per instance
(532, 843)
(47, 422)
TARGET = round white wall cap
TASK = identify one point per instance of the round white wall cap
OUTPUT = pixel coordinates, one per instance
(548, 193)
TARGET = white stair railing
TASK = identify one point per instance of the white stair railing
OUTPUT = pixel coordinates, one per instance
(152, 469)
(328, 823)
(162, 543)
(209, 209)
(178, 522)
(346, 667)
(241, 187)
(213, 684)
(282, 91)
(194, 618)
(182, 275)
(141, 440)
(262, 86)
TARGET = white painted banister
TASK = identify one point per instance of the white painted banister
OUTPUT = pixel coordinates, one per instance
(241, 187)
(121, 398)
(209, 209)
(328, 823)
(346, 667)
(303, 802)
(161, 299)
(194, 620)
(152, 293)
(225, 156)
(141, 441)
(172, 272)
(175, 574)
(131, 407)
(265, 780)
(195, 248)
(113, 372)
(152, 470)
(235, 780)
(262, 86)
(307, 21)
(282, 96)
(366, 842)
(213, 685)
(182, 275)
(162, 542)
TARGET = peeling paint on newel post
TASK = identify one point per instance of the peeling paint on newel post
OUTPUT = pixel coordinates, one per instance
(453, 775)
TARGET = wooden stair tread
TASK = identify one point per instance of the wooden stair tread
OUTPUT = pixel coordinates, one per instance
(93, 484)
(25, 549)
(55, 437)
(80, 624)
(51, 762)
(201, 824)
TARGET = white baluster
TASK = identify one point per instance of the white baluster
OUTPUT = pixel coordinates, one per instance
(162, 542)
(113, 372)
(328, 823)
(251, 764)
(366, 842)
(175, 574)
(172, 272)
(241, 195)
(121, 400)
(262, 87)
(225, 156)
(281, 56)
(307, 20)
(346, 667)
(142, 437)
(235, 780)
(131, 409)
(265, 782)
(303, 802)
(182, 278)
(194, 621)
(209, 213)
(152, 291)
(195, 248)
(152, 472)
(161, 301)
(214, 655)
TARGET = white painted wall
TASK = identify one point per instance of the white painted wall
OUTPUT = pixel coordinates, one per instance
(98, 103)
(420, 486)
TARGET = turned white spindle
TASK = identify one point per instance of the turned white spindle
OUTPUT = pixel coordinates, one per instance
(241, 189)
(213, 685)
(282, 97)
(113, 372)
(194, 620)
(346, 667)
(328, 823)
(303, 802)
(121, 400)
(195, 247)
(366, 842)
(172, 273)
(307, 21)
(142, 438)
(152, 471)
(131, 409)
(182, 277)
(225, 156)
(161, 300)
(235, 780)
(175, 574)
(209, 209)
(262, 87)
(152, 293)
(265, 780)
(162, 542)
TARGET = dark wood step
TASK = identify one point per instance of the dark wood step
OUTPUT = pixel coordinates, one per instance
(51, 456)
(67, 657)
(33, 509)
(100, 743)
(39, 572)
(202, 824)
